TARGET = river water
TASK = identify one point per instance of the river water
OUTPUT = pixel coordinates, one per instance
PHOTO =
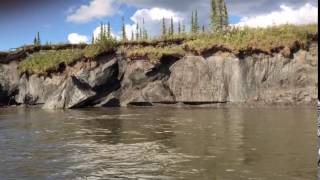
(222, 143)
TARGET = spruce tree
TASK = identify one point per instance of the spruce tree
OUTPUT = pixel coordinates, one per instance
(109, 30)
(171, 32)
(164, 29)
(140, 33)
(214, 15)
(219, 15)
(124, 35)
(179, 28)
(143, 31)
(196, 22)
(225, 17)
(38, 39)
(192, 22)
(145, 35)
(137, 32)
(35, 41)
(101, 32)
(92, 39)
(132, 36)
(104, 33)
(183, 28)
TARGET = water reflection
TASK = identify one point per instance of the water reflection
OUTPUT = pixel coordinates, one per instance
(158, 143)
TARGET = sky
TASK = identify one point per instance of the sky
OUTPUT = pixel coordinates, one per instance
(75, 21)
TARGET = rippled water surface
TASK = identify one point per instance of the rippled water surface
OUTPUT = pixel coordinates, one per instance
(159, 143)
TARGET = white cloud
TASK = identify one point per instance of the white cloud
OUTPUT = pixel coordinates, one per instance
(298, 14)
(75, 38)
(304, 15)
(152, 19)
(130, 28)
(154, 14)
(236, 7)
(96, 9)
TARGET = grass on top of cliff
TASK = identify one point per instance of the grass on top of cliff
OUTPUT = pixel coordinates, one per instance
(233, 40)
(45, 61)
(263, 39)
(51, 60)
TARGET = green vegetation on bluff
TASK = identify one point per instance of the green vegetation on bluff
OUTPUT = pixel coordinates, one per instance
(262, 39)
(50, 60)
(234, 40)
(174, 42)
(44, 61)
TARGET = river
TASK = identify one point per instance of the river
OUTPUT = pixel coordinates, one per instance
(193, 143)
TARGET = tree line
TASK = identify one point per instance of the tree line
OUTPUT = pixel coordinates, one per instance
(219, 22)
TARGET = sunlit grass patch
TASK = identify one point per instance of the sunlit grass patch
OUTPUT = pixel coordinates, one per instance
(264, 39)
(45, 61)
(50, 60)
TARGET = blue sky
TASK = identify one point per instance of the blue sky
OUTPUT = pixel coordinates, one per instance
(54, 25)
(51, 22)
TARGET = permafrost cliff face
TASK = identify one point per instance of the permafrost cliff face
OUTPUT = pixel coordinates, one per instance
(218, 78)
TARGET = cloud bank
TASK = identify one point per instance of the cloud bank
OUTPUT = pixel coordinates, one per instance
(96, 9)
(306, 14)
(75, 38)
(152, 19)
(253, 13)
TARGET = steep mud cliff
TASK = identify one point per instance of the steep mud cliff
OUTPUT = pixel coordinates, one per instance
(216, 77)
